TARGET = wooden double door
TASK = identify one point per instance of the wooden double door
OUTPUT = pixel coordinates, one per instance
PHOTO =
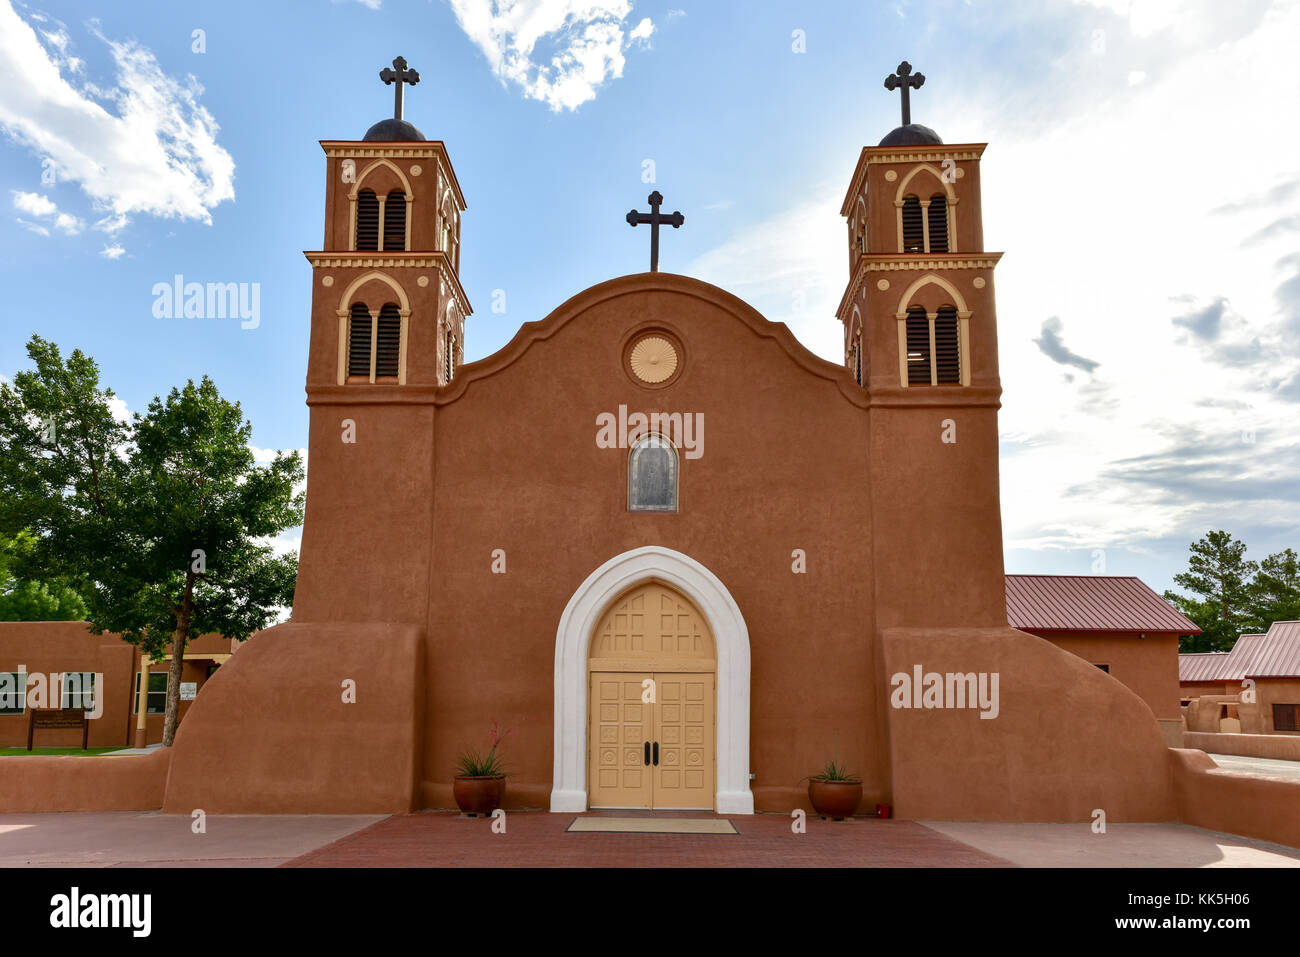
(651, 740)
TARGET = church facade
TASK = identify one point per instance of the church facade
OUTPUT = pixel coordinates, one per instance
(684, 559)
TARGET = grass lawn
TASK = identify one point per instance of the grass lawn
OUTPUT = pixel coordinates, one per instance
(7, 752)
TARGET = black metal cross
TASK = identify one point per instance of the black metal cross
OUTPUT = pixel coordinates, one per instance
(654, 218)
(906, 81)
(399, 76)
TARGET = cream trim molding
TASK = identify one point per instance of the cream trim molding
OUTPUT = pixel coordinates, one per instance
(572, 640)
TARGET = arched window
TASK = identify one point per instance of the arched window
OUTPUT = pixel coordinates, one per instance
(367, 220)
(395, 220)
(359, 339)
(938, 213)
(913, 226)
(947, 346)
(857, 358)
(388, 341)
(918, 346)
(652, 475)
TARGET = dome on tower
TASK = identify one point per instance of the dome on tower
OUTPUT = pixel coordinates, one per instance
(913, 134)
(393, 129)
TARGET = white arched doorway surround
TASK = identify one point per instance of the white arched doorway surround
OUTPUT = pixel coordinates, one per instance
(572, 638)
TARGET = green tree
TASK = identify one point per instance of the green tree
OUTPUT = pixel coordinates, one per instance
(166, 517)
(32, 599)
(1275, 595)
(1220, 577)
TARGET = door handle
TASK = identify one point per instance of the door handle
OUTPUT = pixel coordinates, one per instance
(647, 753)
(656, 754)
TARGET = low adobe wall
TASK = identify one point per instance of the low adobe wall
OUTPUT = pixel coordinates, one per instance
(131, 782)
(272, 733)
(1068, 738)
(1254, 805)
(1285, 747)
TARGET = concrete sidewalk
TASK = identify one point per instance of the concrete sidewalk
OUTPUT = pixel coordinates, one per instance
(152, 839)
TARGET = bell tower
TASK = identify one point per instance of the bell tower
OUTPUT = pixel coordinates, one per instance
(387, 338)
(388, 305)
(920, 336)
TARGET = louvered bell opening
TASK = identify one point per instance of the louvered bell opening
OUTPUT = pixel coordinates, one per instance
(395, 221)
(913, 227)
(388, 347)
(359, 341)
(448, 356)
(918, 347)
(368, 221)
(938, 223)
(947, 347)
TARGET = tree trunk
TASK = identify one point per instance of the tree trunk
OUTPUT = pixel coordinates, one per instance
(174, 686)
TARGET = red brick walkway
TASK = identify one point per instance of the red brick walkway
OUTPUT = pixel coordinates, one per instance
(539, 839)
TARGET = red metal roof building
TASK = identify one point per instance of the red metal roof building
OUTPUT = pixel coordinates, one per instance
(1117, 623)
(1268, 666)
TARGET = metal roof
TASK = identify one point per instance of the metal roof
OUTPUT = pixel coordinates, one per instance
(1090, 603)
(1202, 666)
(1277, 654)
(1242, 657)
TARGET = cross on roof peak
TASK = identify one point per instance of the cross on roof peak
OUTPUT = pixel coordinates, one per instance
(399, 75)
(653, 219)
(905, 80)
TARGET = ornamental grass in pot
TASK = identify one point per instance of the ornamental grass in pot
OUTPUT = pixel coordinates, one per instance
(480, 782)
(835, 792)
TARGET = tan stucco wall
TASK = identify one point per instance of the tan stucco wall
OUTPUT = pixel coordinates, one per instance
(1148, 665)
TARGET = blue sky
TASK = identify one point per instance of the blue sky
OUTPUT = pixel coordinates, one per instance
(1148, 343)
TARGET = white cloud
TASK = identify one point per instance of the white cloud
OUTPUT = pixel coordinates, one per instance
(115, 251)
(36, 228)
(33, 203)
(586, 37)
(68, 223)
(144, 145)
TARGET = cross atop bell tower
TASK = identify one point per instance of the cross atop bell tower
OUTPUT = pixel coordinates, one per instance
(398, 75)
(904, 80)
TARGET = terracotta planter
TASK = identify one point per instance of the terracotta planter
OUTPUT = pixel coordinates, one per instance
(835, 799)
(478, 795)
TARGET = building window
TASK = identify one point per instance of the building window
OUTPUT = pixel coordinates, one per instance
(395, 221)
(1286, 717)
(155, 698)
(367, 220)
(913, 226)
(857, 358)
(938, 214)
(1105, 668)
(918, 347)
(652, 475)
(388, 341)
(359, 339)
(947, 347)
(78, 690)
(449, 356)
(13, 692)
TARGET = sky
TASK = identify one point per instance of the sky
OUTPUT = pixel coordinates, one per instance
(1141, 178)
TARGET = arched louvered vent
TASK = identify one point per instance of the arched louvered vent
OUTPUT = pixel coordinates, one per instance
(448, 356)
(938, 223)
(367, 220)
(395, 221)
(388, 343)
(947, 346)
(359, 341)
(857, 359)
(918, 347)
(913, 226)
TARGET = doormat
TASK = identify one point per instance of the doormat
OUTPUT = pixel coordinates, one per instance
(651, 825)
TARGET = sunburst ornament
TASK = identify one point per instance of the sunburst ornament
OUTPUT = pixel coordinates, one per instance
(653, 359)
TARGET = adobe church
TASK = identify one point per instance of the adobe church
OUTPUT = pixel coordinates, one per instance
(684, 558)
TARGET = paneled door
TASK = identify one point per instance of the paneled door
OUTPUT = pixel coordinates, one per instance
(651, 740)
(682, 759)
(618, 741)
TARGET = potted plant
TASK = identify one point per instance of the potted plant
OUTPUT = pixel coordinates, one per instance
(835, 792)
(480, 781)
